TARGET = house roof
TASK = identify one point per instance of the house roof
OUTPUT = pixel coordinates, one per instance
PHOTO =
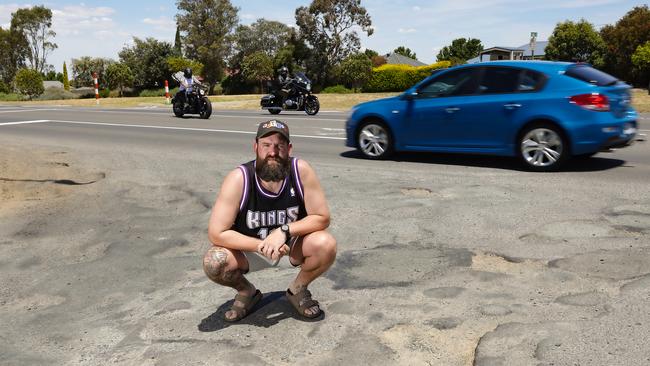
(539, 48)
(52, 84)
(397, 59)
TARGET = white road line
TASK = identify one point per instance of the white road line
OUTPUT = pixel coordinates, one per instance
(24, 122)
(187, 129)
(260, 117)
(29, 110)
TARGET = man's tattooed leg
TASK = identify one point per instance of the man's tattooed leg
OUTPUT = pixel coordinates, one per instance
(215, 265)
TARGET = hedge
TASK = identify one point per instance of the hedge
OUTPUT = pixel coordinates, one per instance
(395, 78)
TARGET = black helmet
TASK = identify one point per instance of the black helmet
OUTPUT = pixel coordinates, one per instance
(187, 72)
(284, 71)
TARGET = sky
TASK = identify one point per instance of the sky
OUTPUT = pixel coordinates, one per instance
(103, 28)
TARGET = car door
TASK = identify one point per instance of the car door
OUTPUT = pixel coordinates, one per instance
(488, 118)
(433, 113)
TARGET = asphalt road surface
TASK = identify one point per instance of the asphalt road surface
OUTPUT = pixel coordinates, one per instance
(442, 259)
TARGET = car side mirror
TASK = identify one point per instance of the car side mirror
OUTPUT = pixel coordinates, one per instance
(410, 95)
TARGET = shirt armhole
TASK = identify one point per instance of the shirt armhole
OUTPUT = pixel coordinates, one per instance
(296, 179)
(245, 188)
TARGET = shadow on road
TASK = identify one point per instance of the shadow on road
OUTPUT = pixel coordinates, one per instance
(273, 308)
(578, 164)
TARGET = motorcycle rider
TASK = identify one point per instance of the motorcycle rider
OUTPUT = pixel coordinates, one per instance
(186, 80)
(285, 81)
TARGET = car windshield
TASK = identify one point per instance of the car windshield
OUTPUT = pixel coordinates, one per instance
(590, 75)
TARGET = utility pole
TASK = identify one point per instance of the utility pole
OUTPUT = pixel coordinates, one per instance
(533, 40)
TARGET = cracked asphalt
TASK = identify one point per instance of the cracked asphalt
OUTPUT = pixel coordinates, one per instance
(443, 260)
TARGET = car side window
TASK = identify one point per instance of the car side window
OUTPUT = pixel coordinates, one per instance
(453, 83)
(497, 80)
(530, 81)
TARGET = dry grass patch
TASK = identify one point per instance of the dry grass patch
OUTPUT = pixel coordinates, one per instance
(641, 100)
(329, 102)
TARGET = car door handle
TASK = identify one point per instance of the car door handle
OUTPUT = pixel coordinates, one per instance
(452, 109)
(512, 106)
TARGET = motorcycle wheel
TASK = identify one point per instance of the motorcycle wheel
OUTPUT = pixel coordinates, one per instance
(178, 109)
(312, 105)
(206, 111)
(275, 111)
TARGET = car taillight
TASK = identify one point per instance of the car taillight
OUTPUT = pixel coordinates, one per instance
(594, 101)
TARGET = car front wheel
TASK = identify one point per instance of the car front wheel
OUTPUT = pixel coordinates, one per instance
(374, 140)
(542, 148)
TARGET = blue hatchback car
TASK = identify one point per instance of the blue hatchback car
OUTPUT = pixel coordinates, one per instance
(539, 111)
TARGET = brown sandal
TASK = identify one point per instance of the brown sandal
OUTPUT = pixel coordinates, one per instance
(303, 301)
(242, 311)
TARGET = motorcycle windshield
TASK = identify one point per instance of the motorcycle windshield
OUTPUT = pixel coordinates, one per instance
(302, 77)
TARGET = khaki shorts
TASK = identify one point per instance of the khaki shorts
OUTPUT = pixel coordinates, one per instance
(270, 262)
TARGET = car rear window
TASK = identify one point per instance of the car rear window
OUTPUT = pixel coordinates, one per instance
(590, 75)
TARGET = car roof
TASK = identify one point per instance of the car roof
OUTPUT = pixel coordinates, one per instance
(543, 66)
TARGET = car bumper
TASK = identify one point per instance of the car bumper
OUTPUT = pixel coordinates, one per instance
(608, 136)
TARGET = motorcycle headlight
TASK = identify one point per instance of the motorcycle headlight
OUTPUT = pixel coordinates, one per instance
(308, 86)
(201, 92)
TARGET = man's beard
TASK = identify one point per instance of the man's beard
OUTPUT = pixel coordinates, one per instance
(272, 172)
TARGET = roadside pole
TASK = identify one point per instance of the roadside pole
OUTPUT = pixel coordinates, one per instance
(166, 91)
(96, 88)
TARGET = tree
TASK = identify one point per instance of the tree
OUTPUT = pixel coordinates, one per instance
(178, 48)
(356, 70)
(29, 82)
(621, 41)
(460, 50)
(262, 36)
(118, 75)
(66, 80)
(179, 63)
(370, 53)
(147, 60)
(84, 67)
(578, 42)
(208, 26)
(401, 50)
(13, 51)
(35, 24)
(328, 27)
(258, 67)
(641, 60)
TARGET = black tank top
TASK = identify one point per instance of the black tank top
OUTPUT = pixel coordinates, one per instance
(261, 211)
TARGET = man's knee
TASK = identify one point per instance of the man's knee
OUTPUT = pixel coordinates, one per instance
(323, 243)
(217, 262)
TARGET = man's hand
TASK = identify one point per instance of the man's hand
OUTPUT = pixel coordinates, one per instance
(273, 247)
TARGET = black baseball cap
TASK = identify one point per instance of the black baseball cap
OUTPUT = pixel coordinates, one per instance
(274, 125)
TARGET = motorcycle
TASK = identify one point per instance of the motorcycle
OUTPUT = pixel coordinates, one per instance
(197, 102)
(298, 97)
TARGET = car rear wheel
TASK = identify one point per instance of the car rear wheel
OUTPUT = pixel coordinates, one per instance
(374, 140)
(542, 148)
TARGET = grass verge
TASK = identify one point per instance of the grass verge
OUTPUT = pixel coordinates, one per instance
(329, 102)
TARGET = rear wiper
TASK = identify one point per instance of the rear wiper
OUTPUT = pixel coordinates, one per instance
(612, 83)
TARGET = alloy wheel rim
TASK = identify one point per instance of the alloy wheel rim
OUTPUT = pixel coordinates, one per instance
(373, 140)
(542, 147)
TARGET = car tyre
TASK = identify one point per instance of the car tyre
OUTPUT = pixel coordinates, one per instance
(542, 147)
(374, 140)
(275, 111)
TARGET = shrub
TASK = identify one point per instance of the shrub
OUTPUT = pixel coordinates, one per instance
(104, 93)
(29, 82)
(157, 92)
(392, 78)
(11, 97)
(4, 88)
(336, 89)
(53, 93)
